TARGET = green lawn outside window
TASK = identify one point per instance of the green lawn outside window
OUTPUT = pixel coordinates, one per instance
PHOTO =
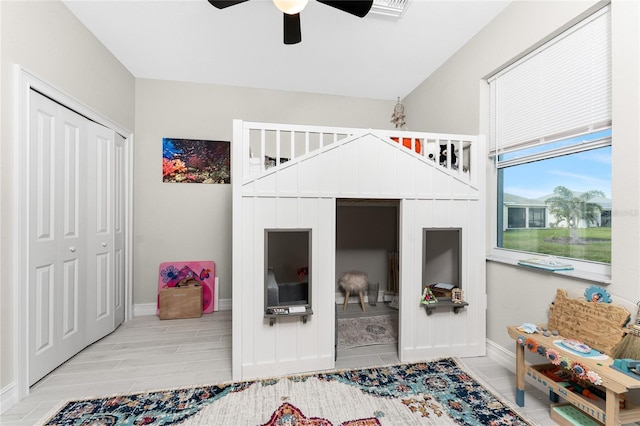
(595, 243)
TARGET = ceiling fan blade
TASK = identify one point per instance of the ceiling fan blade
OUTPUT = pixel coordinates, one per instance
(292, 33)
(221, 4)
(356, 7)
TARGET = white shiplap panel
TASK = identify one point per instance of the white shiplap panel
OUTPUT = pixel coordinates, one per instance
(263, 336)
(405, 174)
(367, 168)
(472, 268)
(286, 339)
(309, 343)
(424, 179)
(425, 326)
(325, 271)
(459, 189)
(441, 184)
(247, 188)
(427, 334)
(286, 213)
(266, 184)
(323, 263)
(309, 176)
(386, 171)
(328, 172)
(409, 259)
(286, 180)
(245, 277)
(348, 169)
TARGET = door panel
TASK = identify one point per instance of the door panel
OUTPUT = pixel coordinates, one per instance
(56, 250)
(44, 320)
(119, 228)
(70, 301)
(100, 237)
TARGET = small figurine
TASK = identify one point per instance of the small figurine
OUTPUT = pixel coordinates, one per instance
(427, 296)
(457, 295)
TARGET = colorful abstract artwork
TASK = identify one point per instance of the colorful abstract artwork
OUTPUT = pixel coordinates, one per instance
(196, 161)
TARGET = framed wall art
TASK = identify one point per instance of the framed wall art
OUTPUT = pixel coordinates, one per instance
(196, 161)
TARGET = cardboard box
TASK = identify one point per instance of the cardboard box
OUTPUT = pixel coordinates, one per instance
(181, 302)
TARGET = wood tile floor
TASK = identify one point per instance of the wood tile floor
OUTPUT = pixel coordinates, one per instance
(149, 354)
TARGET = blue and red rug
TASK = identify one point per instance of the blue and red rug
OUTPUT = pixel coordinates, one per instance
(431, 393)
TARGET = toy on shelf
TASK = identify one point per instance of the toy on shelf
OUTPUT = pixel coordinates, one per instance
(630, 367)
(576, 345)
(597, 294)
(528, 328)
(457, 296)
(427, 297)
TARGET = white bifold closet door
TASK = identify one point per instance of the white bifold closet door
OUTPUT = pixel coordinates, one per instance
(76, 236)
(105, 232)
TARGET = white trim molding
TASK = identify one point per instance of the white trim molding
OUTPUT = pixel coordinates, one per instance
(8, 397)
(146, 309)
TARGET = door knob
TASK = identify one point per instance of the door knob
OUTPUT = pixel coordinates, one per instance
(104, 244)
(72, 249)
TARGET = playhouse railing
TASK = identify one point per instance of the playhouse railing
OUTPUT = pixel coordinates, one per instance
(266, 146)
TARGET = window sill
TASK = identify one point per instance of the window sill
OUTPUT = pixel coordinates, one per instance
(577, 273)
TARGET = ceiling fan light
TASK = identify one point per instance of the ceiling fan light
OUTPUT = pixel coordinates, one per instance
(290, 7)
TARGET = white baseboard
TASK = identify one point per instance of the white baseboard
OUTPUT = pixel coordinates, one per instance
(8, 397)
(502, 356)
(144, 309)
(508, 360)
(224, 304)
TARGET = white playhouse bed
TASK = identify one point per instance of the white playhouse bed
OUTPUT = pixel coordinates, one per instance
(289, 177)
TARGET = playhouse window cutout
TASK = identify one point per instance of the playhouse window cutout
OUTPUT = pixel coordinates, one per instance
(287, 278)
(441, 268)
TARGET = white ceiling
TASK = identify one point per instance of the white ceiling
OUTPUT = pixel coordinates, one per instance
(375, 57)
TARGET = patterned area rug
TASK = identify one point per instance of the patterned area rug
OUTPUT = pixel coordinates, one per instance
(365, 331)
(431, 393)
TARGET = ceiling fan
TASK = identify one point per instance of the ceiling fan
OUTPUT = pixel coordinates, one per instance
(291, 11)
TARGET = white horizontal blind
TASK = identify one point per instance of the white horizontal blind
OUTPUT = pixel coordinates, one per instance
(562, 88)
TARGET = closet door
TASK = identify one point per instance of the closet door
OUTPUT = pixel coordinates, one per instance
(57, 247)
(100, 232)
(119, 227)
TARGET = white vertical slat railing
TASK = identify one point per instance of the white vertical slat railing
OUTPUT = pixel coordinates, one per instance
(273, 149)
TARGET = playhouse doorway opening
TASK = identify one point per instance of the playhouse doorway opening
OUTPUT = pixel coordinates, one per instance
(367, 240)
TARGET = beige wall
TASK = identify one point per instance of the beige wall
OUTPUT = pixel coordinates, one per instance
(455, 99)
(174, 221)
(47, 40)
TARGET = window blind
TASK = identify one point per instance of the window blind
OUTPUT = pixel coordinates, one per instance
(561, 89)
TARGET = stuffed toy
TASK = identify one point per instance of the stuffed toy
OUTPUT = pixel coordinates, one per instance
(443, 156)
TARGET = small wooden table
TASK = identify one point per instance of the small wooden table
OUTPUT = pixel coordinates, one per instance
(614, 382)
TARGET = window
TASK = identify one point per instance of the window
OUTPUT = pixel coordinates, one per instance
(536, 217)
(516, 217)
(287, 278)
(551, 144)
